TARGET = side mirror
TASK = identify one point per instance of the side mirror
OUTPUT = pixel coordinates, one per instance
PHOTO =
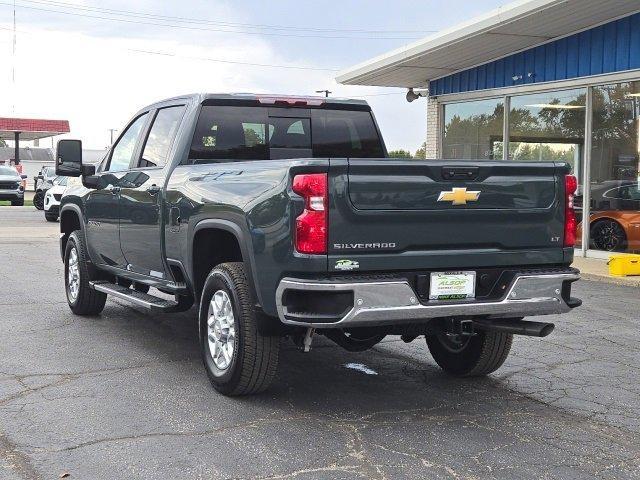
(23, 176)
(69, 158)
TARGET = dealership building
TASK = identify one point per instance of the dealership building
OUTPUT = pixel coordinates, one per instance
(558, 79)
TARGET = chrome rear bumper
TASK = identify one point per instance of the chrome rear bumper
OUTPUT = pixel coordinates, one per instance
(387, 302)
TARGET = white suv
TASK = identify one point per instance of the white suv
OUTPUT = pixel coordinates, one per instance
(52, 199)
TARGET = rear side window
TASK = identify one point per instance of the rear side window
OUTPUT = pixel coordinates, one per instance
(226, 133)
(161, 135)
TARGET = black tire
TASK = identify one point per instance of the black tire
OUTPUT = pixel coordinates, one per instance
(86, 301)
(38, 200)
(608, 235)
(17, 203)
(254, 358)
(51, 217)
(474, 356)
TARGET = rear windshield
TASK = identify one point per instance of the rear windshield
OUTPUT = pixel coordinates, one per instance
(228, 133)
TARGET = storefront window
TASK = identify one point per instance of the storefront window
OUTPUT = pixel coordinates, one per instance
(473, 130)
(548, 127)
(615, 181)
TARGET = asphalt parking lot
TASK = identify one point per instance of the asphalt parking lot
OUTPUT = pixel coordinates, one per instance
(124, 395)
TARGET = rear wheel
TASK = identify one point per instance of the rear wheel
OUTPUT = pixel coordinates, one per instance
(17, 203)
(82, 299)
(239, 359)
(470, 356)
(51, 217)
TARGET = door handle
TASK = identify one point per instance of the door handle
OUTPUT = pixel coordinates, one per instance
(153, 189)
(114, 190)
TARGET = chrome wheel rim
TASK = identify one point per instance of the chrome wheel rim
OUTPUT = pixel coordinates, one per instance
(221, 330)
(73, 275)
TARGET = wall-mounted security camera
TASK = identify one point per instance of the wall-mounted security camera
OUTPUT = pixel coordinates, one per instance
(413, 95)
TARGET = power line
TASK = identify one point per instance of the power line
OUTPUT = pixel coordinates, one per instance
(194, 28)
(219, 60)
(147, 15)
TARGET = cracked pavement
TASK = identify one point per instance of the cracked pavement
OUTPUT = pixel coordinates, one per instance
(124, 395)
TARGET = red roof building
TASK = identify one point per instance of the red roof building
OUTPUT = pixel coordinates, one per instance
(17, 129)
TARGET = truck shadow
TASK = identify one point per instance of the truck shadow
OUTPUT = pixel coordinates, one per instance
(393, 376)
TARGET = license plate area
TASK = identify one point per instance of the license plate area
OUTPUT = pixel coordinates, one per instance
(452, 285)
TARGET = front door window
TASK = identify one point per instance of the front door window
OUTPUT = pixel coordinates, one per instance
(122, 152)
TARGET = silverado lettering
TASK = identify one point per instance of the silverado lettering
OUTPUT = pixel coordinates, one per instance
(346, 246)
(242, 207)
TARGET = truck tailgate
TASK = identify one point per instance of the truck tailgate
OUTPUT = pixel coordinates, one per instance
(389, 214)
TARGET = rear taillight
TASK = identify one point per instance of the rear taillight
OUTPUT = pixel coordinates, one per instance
(311, 225)
(570, 222)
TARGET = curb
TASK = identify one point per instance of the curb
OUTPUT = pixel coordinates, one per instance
(623, 281)
(27, 208)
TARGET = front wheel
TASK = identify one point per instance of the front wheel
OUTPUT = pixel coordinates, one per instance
(38, 200)
(51, 217)
(82, 299)
(17, 203)
(608, 235)
(239, 359)
(470, 356)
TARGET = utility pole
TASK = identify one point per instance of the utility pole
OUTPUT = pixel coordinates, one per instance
(111, 131)
(13, 66)
(326, 92)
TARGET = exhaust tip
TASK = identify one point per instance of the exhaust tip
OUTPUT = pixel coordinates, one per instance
(547, 329)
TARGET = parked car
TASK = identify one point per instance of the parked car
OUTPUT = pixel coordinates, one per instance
(52, 199)
(615, 219)
(11, 187)
(282, 216)
(43, 182)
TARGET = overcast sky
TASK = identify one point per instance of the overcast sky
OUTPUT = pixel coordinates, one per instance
(95, 62)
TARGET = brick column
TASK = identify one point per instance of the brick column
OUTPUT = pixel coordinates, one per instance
(433, 129)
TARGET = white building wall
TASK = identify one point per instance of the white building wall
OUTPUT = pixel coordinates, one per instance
(433, 129)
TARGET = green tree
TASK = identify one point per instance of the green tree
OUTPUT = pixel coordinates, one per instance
(3, 143)
(400, 154)
(421, 152)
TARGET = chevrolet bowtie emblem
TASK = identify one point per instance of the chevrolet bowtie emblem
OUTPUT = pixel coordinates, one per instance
(459, 196)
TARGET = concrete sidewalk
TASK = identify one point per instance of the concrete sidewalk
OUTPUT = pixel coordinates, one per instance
(598, 270)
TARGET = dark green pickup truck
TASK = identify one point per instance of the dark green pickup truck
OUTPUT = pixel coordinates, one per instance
(282, 217)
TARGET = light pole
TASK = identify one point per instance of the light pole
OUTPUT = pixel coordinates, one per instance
(111, 131)
(326, 92)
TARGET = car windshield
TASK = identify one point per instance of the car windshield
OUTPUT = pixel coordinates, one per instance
(60, 181)
(7, 170)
